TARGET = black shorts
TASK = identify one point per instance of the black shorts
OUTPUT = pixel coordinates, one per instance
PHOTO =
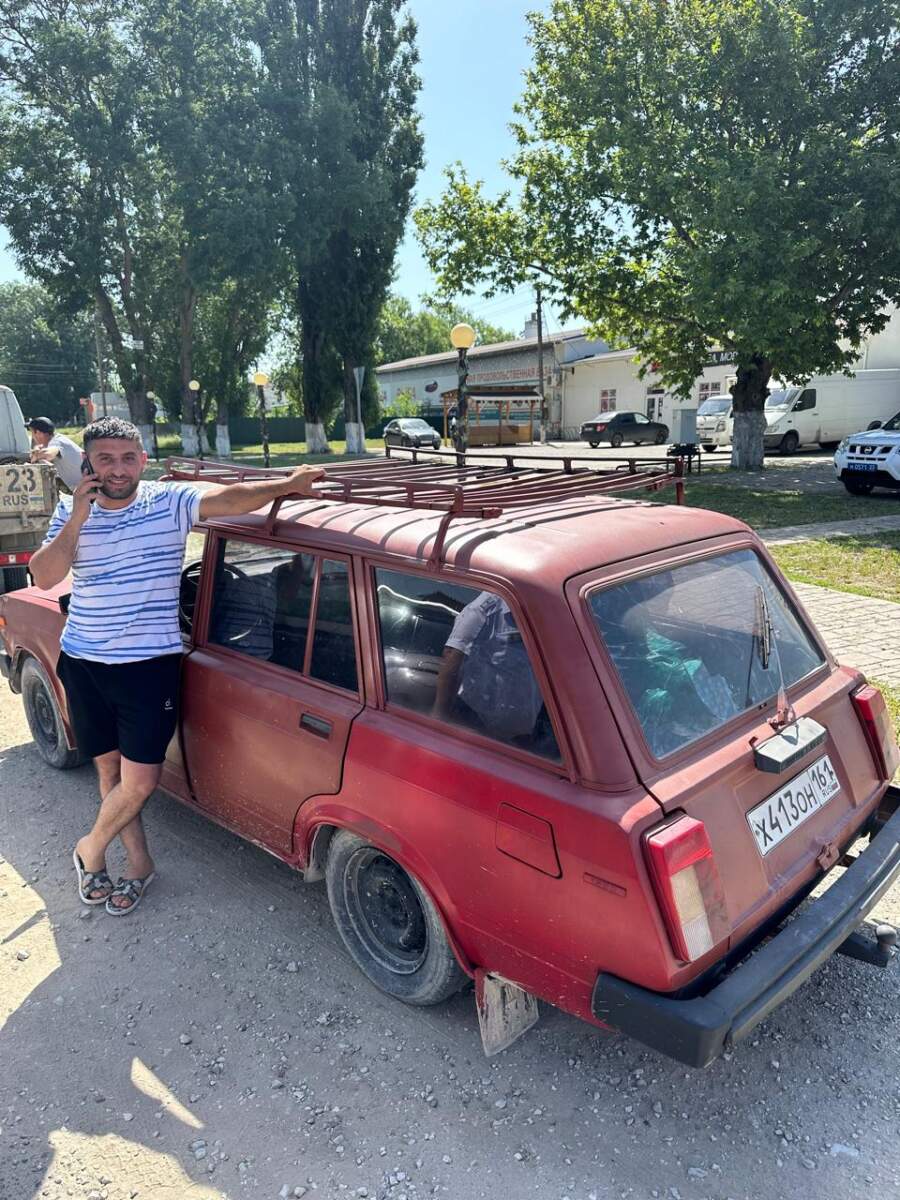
(131, 707)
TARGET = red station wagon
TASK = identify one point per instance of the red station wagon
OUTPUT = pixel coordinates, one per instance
(579, 748)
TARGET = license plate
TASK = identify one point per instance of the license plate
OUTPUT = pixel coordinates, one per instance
(20, 487)
(862, 466)
(773, 820)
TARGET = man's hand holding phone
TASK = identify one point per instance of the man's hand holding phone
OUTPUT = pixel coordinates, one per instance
(86, 492)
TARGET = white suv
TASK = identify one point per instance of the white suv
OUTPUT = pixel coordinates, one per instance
(864, 461)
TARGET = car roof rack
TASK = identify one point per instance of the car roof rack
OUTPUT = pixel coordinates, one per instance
(453, 483)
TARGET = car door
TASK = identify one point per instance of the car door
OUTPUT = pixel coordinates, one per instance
(272, 688)
(391, 434)
(644, 430)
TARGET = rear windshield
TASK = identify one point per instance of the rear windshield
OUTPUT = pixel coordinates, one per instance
(697, 645)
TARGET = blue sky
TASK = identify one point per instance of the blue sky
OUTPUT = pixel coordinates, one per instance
(473, 55)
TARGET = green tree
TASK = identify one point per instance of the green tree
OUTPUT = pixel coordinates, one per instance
(339, 90)
(46, 355)
(404, 332)
(693, 176)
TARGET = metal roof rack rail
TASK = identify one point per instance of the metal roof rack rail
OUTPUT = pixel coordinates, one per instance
(456, 488)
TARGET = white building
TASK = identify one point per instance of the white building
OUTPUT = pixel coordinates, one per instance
(583, 377)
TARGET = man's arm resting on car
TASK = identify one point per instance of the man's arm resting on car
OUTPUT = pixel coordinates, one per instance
(234, 499)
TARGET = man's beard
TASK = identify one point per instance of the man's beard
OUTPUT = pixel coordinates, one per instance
(120, 493)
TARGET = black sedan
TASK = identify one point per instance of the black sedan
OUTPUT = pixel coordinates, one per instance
(411, 431)
(620, 427)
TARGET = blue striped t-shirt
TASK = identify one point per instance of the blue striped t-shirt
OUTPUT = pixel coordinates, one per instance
(126, 574)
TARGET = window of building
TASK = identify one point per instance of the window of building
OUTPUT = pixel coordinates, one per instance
(291, 610)
(713, 388)
(455, 653)
(607, 400)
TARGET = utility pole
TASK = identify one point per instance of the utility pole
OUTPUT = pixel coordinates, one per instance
(101, 368)
(540, 350)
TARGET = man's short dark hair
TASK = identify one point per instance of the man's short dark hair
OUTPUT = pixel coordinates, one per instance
(42, 425)
(111, 427)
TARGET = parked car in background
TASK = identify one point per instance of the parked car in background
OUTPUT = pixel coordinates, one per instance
(411, 431)
(829, 408)
(869, 460)
(577, 748)
(618, 428)
(715, 422)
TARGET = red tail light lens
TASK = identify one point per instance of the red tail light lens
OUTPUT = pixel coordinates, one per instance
(688, 887)
(600, 428)
(876, 721)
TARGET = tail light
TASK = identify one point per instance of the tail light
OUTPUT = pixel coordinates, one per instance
(600, 428)
(19, 557)
(876, 721)
(688, 888)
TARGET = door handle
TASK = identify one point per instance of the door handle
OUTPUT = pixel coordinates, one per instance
(315, 725)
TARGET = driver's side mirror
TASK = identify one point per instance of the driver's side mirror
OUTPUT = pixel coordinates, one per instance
(875, 424)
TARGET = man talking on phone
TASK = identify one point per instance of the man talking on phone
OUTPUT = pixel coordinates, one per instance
(123, 541)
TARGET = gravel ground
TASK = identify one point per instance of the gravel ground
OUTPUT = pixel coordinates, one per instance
(218, 1043)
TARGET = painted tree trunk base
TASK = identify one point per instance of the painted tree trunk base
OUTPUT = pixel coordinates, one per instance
(747, 442)
(146, 432)
(223, 442)
(189, 444)
(356, 438)
(316, 441)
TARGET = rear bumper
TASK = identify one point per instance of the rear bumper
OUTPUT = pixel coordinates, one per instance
(696, 1031)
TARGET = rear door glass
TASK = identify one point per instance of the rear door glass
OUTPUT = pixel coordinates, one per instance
(700, 644)
(456, 654)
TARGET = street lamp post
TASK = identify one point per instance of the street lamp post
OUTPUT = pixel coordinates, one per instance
(194, 387)
(151, 402)
(462, 338)
(261, 379)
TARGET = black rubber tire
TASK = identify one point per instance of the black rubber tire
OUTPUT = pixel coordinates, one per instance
(593, 445)
(710, 449)
(357, 874)
(790, 443)
(857, 487)
(44, 718)
(616, 440)
(662, 436)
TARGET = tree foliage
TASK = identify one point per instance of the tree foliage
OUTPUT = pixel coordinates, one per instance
(692, 176)
(404, 332)
(339, 80)
(46, 355)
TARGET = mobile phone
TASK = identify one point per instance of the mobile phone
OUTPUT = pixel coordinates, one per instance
(87, 469)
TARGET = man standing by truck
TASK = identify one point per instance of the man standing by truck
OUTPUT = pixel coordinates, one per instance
(123, 540)
(57, 449)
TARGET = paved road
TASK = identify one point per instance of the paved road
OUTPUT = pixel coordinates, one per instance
(218, 1043)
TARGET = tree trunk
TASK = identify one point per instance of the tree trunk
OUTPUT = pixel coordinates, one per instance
(355, 432)
(223, 436)
(749, 394)
(191, 420)
(312, 343)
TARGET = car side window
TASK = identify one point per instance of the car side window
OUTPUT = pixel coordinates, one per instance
(807, 400)
(640, 419)
(289, 609)
(456, 654)
(626, 418)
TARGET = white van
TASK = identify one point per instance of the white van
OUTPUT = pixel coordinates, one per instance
(829, 408)
(715, 422)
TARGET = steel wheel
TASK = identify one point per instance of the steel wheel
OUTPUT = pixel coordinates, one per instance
(389, 924)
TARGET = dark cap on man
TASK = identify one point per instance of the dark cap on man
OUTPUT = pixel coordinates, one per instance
(42, 425)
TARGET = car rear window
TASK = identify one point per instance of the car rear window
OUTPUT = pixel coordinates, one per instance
(699, 644)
